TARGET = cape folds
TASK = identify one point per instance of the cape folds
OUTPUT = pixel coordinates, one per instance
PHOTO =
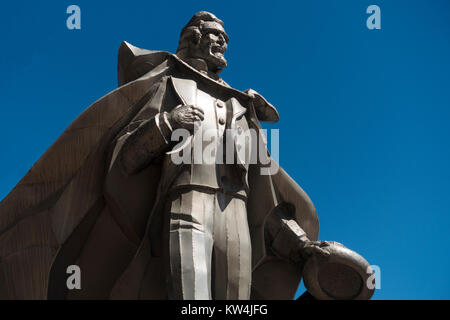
(59, 213)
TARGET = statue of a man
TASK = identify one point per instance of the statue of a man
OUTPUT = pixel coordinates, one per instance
(112, 197)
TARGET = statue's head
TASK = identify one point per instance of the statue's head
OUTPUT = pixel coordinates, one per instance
(204, 38)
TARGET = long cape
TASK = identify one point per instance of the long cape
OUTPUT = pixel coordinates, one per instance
(59, 213)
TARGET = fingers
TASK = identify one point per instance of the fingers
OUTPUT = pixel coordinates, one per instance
(322, 252)
(315, 248)
(199, 114)
(197, 109)
(324, 244)
(191, 107)
(320, 244)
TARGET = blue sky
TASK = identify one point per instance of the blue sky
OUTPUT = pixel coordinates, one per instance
(365, 114)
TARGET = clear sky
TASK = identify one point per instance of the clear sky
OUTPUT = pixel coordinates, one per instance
(365, 114)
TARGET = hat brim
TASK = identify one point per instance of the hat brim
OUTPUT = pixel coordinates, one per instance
(343, 275)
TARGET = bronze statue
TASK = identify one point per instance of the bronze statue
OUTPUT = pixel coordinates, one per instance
(111, 196)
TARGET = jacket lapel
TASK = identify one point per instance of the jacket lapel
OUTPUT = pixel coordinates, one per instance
(185, 89)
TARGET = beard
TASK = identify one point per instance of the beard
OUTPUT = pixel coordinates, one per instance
(214, 57)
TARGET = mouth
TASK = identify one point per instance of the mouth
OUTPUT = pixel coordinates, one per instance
(216, 57)
(218, 49)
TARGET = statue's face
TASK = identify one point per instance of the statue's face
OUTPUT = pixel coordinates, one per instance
(212, 46)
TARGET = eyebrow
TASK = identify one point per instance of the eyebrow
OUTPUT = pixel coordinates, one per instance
(215, 30)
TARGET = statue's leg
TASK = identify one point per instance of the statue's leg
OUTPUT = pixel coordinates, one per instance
(232, 249)
(190, 245)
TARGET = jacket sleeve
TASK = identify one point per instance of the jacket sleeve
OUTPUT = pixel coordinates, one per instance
(144, 143)
(285, 237)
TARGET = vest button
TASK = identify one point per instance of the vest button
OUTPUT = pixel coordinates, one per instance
(221, 121)
(220, 104)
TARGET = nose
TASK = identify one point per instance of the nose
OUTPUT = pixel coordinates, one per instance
(221, 40)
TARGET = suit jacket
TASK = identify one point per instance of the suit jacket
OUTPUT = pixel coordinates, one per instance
(148, 139)
(76, 206)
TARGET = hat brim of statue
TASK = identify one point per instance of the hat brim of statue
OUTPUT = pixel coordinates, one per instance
(343, 275)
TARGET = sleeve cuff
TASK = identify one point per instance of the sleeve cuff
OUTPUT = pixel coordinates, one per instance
(162, 122)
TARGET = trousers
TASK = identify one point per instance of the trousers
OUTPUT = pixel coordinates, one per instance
(209, 246)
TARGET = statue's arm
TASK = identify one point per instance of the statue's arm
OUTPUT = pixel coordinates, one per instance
(288, 240)
(144, 143)
(284, 236)
(151, 137)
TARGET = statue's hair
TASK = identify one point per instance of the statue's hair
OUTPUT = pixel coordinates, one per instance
(192, 31)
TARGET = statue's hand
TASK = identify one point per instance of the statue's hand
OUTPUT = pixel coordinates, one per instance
(184, 116)
(310, 248)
